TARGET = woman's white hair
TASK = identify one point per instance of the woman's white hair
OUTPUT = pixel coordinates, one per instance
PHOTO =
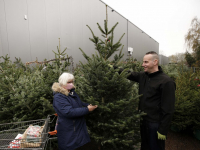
(65, 77)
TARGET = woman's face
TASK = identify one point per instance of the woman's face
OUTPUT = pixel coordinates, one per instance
(69, 85)
(70, 81)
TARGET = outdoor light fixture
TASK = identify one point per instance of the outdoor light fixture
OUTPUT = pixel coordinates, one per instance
(112, 10)
(25, 17)
(130, 51)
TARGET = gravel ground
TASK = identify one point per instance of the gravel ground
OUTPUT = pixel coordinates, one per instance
(182, 141)
(175, 141)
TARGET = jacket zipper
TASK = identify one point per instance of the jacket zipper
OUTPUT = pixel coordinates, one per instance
(74, 125)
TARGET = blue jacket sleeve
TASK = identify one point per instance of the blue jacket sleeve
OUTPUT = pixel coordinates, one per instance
(85, 104)
(64, 108)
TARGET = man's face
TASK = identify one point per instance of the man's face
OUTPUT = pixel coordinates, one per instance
(148, 63)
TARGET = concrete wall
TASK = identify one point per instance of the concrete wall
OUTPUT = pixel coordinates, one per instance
(140, 42)
(163, 60)
(48, 20)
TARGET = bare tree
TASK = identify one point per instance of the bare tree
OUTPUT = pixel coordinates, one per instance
(178, 58)
(193, 36)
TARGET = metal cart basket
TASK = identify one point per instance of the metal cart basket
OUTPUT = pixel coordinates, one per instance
(9, 132)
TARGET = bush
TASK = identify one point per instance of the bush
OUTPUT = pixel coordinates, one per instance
(25, 91)
(187, 102)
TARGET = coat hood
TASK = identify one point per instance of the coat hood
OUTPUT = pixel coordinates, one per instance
(57, 88)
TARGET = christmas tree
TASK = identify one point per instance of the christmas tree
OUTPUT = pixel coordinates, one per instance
(25, 92)
(9, 73)
(187, 100)
(115, 123)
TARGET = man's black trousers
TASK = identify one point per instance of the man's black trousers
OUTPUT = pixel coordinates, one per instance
(149, 136)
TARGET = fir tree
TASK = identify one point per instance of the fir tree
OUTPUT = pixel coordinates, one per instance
(25, 92)
(115, 123)
(187, 101)
(60, 64)
(9, 73)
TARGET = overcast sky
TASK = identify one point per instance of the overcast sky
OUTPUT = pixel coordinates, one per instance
(166, 21)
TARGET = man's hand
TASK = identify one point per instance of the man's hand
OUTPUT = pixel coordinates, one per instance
(161, 137)
(91, 107)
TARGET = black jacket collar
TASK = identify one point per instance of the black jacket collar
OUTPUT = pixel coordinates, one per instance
(155, 73)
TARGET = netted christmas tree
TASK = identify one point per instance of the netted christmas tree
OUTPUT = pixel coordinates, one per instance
(115, 123)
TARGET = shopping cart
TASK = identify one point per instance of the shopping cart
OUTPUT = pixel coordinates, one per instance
(15, 135)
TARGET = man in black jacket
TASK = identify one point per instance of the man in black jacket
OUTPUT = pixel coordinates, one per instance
(157, 101)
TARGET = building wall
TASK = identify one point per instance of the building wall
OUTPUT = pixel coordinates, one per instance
(163, 60)
(48, 20)
(140, 42)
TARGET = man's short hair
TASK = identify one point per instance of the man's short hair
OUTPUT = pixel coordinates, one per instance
(151, 52)
(154, 54)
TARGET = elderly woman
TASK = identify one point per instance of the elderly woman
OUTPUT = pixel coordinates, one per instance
(71, 130)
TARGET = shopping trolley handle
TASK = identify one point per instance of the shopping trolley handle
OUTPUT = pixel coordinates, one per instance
(52, 117)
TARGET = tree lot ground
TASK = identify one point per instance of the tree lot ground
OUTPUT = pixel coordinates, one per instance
(175, 141)
(182, 141)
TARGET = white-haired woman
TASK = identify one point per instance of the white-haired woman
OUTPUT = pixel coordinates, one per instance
(71, 130)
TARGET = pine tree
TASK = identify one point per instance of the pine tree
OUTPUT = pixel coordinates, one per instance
(9, 73)
(60, 64)
(22, 92)
(25, 92)
(115, 123)
(187, 101)
(192, 39)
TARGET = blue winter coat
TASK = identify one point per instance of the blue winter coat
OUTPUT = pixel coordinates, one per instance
(71, 131)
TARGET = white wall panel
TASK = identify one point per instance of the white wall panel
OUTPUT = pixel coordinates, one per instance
(76, 29)
(53, 20)
(37, 29)
(66, 11)
(140, 42)
(49, 20)
(3, 31)
(87, 45)
(18, 29)
(136, 40)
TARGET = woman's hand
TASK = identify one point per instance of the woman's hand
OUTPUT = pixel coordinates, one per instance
(91, 107)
